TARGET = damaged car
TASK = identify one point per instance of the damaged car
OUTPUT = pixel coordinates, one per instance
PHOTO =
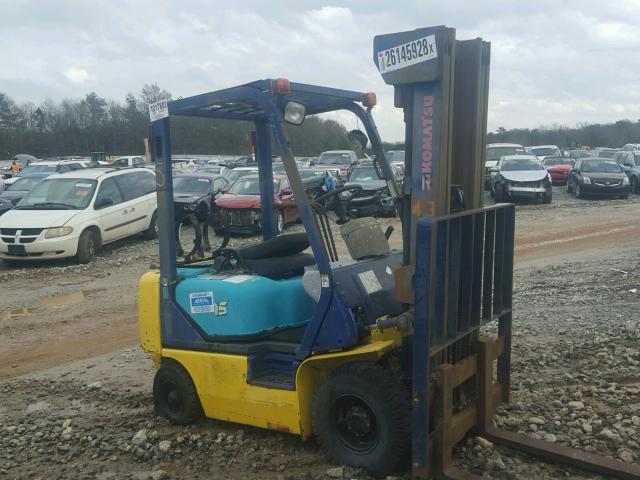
(374, 199)
(520, 176)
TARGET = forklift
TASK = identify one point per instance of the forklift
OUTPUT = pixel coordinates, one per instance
(377, 353)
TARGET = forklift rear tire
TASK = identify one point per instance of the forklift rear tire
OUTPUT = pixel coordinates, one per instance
(175, 396)
(361, 416)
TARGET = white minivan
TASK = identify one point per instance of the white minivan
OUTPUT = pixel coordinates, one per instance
(75, 213)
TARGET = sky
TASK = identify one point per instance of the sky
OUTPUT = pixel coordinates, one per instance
(552, 61)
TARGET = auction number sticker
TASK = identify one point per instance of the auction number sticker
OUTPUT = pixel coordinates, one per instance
(408, 54)
(201, 302)
(158, 110)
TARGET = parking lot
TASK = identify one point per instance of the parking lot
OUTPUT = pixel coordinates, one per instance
(77, 387)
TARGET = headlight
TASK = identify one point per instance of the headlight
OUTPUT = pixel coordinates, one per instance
(294, 113)
(255, 215)
(586, 180)
(625, 181)
(192, 206)
(346, 194)
(58, 232)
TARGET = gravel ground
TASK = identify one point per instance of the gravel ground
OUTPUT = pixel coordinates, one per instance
(576, 369)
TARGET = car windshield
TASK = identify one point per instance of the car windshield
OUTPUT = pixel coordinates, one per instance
(541, 152)
(191, 185)
(308, 174)
(521, 165)
(249, 186)
(495, 153)
(332, 158)
(59, 194)
(364, 174)
(30, 169)
(234, 175)
(395, 156)
(601, 166)
(607, 153)
(580, 154)
(25, 183)
(215, 170)
(553, 161)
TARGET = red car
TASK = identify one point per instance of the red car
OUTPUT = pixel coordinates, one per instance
(241, 204)
(558, 168)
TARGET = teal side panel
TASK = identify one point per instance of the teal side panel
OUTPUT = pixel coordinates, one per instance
(243, 304)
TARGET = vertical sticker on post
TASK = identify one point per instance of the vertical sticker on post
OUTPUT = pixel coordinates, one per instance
(201, 302)
(158, 110)
(324, 280)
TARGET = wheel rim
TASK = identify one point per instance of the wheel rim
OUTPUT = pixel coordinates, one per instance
(280, 222)
(91, 247)
(356, 424)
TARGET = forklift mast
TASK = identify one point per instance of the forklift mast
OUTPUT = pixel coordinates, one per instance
(444, 132)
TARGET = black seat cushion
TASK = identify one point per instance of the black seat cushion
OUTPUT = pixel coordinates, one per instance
(282, 246)
(280, 267)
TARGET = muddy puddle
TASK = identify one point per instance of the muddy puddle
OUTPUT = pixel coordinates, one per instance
(55, 301)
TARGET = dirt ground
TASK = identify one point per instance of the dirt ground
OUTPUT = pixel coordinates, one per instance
(75, 386)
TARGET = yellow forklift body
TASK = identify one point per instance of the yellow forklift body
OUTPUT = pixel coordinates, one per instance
(221, 379)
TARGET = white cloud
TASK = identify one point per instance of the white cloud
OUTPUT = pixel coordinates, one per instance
(552, 62)
(77, 75)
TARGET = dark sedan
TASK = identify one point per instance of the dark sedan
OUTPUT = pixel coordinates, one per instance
(374, 200)
(629, 160)
(195, 194)
(18, 189)
(601, 177)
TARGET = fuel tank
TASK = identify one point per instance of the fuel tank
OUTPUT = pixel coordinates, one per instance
(242, 305)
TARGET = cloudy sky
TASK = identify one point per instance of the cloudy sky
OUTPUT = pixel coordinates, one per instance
(553, 61)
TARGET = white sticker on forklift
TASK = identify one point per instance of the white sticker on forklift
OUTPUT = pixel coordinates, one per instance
(370, 282)
(419, 50)
(324, 280)
(239, 278)
(201, 302)
(158, 110)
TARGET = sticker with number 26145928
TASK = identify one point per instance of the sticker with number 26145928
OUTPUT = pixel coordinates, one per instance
(407, 54)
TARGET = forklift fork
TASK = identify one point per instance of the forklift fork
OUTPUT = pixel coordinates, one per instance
(454, 386)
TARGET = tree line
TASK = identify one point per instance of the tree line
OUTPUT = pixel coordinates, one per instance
(595, 135)
(94, 123)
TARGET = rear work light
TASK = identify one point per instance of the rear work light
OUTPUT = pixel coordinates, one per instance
(369, 99)
(281, 88)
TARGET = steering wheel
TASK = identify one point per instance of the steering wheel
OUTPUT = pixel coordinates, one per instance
(225, 259)
(338, 191)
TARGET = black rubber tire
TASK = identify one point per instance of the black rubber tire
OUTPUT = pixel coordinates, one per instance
(578, 191)
(87, 246)
(382, 398)
(280, 225)
(548, 196)
(569, 189)
(220, 226)
(635, 185)
(197, 247)
(174, 395)
(152, 232)
(498, 193)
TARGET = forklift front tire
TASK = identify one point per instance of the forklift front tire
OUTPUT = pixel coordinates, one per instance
(361, 417)
(175, 396)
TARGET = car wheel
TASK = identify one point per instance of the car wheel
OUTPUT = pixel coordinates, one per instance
(499, 193)
(569, 189)
(578, 191)
(548, 195)
(492, 192)
(152, 232)
(280, 221)
(87, 246)
(635, 185)
(175, 396)
(361, 416)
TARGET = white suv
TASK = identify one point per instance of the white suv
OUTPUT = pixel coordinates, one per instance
(75, 213)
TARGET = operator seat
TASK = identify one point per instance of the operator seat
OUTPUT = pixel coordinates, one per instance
(278, 257)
